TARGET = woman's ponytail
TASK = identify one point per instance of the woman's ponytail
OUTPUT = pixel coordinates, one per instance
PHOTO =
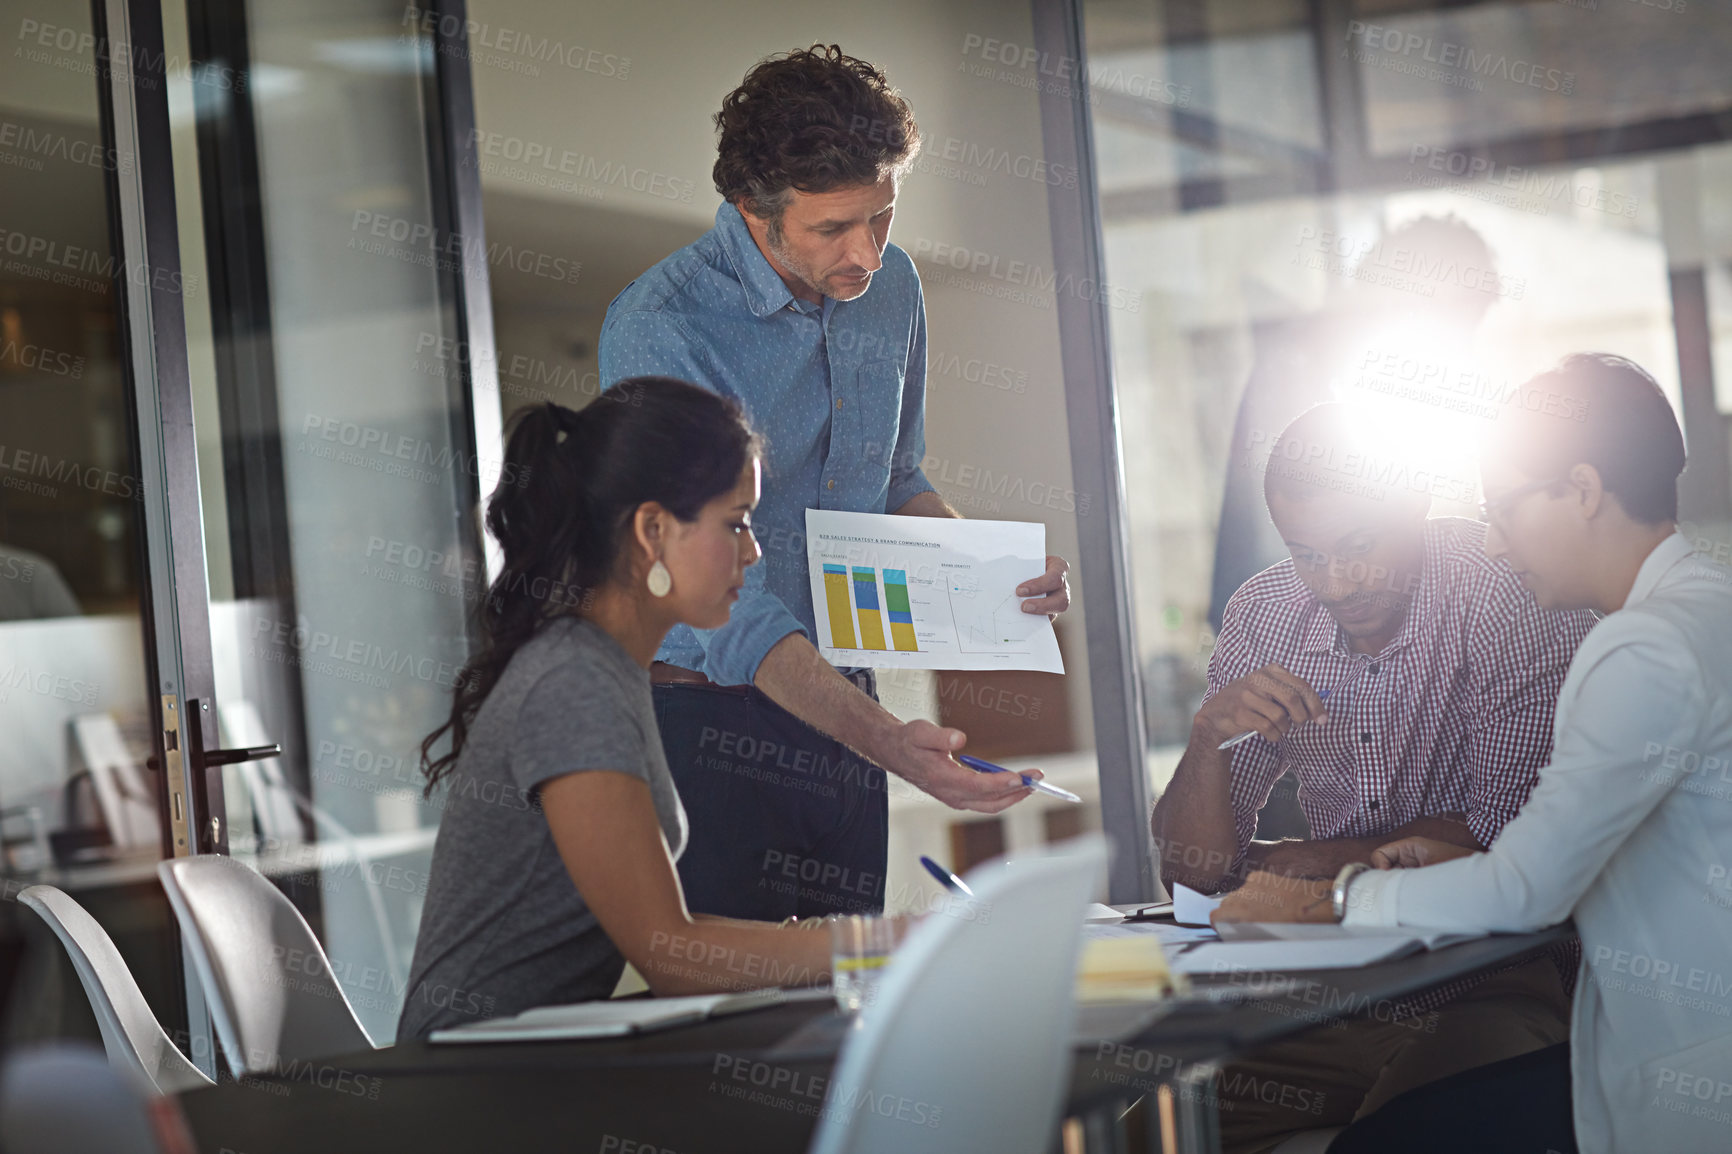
(536, 511)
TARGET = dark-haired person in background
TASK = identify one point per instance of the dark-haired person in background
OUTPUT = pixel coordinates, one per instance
(797, 304)
(1443, 675)
(1320, 357)
(554, 863)
(1629, 830)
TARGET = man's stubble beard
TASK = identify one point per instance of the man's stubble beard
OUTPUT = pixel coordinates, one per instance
(774, 236)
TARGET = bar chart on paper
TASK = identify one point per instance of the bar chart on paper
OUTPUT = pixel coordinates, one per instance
(866, 609)
(851, 595)
(901, 611)
(926, 593)
(839, 609)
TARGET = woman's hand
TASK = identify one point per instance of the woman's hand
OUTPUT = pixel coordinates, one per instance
(1413, 852)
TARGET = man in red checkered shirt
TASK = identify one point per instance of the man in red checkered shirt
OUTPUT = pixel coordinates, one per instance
(1409, 683)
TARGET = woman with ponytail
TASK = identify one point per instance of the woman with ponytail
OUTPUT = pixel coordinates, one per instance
(554, 864)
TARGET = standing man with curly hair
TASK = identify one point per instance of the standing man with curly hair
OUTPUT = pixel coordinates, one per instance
(796, 304)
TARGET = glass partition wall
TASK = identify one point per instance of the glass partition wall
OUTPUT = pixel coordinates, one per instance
(1410, 205)
(337, 464)
(237, 491)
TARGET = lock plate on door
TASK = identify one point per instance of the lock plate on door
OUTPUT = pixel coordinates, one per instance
(174, 765)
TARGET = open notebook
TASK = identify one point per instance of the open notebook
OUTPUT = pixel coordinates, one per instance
(610, 1019)
(1263, 946)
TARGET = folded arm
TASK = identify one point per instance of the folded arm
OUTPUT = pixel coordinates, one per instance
(1324, 859)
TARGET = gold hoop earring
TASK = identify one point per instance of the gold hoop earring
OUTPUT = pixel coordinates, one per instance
(660, 581)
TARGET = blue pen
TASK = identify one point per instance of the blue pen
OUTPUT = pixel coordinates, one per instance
(1322, 695)
(945, 878)
(1033, 783)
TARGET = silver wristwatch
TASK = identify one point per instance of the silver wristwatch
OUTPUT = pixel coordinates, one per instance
(1338, 891)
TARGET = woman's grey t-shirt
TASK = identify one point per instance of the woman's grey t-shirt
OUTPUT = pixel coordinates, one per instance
(504, 927)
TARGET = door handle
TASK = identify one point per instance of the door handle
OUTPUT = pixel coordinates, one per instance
(228, 756)
(244, 753)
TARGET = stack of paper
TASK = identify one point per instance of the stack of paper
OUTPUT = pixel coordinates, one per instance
(1098, 913)
(1170, 937)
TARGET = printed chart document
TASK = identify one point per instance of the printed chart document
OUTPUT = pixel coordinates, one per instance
(610, 1019)
(927, 592)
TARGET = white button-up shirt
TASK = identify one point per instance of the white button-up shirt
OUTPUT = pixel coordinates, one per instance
(1629, 830)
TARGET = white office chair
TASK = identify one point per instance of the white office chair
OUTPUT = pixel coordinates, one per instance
(134, 1039)
(272, 996)
(937, 1063)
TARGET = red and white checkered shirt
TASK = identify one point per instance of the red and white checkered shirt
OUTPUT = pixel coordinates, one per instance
(1453, 716)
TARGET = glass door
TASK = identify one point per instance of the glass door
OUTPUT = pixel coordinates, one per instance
(99, 711)
(337, 473)
(239, 482)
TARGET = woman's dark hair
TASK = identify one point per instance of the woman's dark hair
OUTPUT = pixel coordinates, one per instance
(1601, 410)
(812, 120)
(570, 485)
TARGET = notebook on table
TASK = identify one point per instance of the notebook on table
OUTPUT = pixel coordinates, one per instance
(611, 1019)
(1268, 946)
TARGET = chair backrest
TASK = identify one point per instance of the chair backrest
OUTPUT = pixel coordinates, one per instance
(273, 998)
(967, 1043)
(134, 1039)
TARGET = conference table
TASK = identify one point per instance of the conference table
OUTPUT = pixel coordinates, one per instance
(755, 1082)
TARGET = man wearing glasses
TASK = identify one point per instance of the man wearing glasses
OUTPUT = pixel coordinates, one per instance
(1441, 676)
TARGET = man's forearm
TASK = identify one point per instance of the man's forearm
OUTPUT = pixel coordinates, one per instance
(795, 676)
(1319, 859)
(927, 504)
(1195, 836)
